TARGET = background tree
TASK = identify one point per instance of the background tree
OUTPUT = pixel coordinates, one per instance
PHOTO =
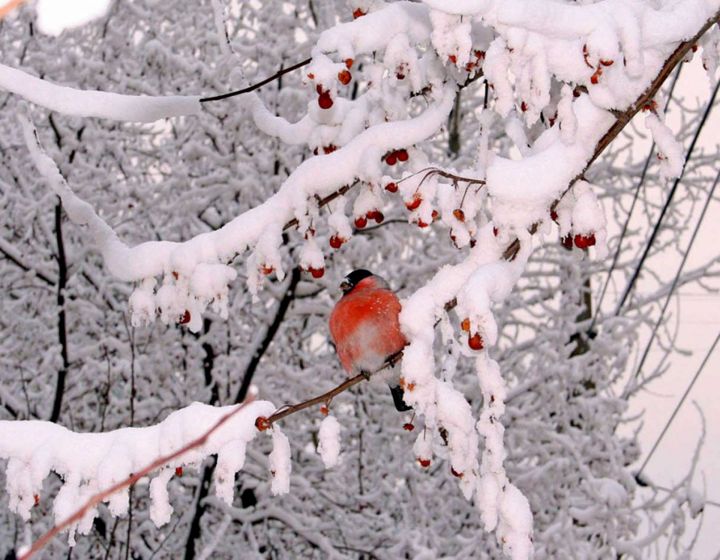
(73, 354)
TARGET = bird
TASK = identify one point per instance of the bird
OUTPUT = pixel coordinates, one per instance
(365, 327)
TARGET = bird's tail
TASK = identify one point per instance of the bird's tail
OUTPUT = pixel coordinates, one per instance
(398, 398)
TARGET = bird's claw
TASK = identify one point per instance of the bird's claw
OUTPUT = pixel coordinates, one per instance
(366, 374)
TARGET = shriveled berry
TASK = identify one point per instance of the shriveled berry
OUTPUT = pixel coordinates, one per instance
(459, 214)
(422, 224)
(348, 63)
(178, 471)
(424, 463)
(496, 231)
(324, 410)
(402, 155)
(410, 387)
(324, 100)
(344, 77)
(357, 12)
(311, 76)
(475, 341)
(435, 215)
(415, 203)
(606, 62)
(329, 149)
(262, 423)
(553, 216)
(567, 241)
(452, 58)
(36, 499)
(523, 106)
(267, 270)
(185, 319)
(408, 426)
(376, 215)
(317, 272)
(360, 222)
(391, 187)
(336, 241)
(455, 473)
(465, 324)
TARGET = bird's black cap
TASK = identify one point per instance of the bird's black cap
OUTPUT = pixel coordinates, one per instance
(354, 278)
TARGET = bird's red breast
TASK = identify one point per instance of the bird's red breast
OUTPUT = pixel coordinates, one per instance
(365, 328)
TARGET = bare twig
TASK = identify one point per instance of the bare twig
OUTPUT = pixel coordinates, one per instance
(279, 414)
(259, 84)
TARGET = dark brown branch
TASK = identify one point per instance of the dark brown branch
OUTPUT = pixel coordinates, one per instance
(624, 117)
(62, 327)
(259, 84)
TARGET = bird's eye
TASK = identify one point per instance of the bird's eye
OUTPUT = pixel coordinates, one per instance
(345, 286)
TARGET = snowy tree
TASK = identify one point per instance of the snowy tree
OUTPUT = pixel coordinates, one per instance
(169, 252)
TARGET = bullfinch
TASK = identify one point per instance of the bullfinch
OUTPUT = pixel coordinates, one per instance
(365, 328)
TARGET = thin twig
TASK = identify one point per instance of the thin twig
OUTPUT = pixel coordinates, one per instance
(287, 410)
(259, 84)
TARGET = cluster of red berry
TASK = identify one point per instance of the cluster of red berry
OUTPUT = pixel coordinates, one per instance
(361, 221)
(392, 157)
(595, 78)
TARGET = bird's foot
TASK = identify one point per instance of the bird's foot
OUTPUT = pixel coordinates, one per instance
(366, 374)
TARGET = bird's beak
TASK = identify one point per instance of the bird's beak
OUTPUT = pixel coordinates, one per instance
(345, 286)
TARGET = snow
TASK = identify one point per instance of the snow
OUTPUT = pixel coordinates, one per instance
(54, 17)
(329, 441)
(279, 463)
(101, 104)
(34, 448)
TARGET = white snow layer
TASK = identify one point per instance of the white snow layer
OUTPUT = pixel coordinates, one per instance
(90, 463)
(80, 103)
(329, 441)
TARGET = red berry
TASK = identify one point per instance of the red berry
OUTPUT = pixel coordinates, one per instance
(606, 62)
(376, 215)
(36, 499)
(344, 77)
(595, 78)
(496, 231)
(459, 214)
(553, 216)
(391, 187)
(175, 275)
(360, 222)
(408, 426)
(267, 270)
(311, 76)
(567, 241)
(523, 106)
(435, 215)
(324, 410)
(424, 463)
(422, 224)
(348, 63)
(415, 203)
(316, 272)
(262, 423)
(319, 89)
(357, 12)
(324, 100)
(402, 155)
(329, 149)
(475, 341)
(391, 158)
(479, 54)
(465, 324)
(452, 58)
(584, 241)
(455, 473)
(185, 319)
(410, 387)
(178, 471)
(336, 241)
